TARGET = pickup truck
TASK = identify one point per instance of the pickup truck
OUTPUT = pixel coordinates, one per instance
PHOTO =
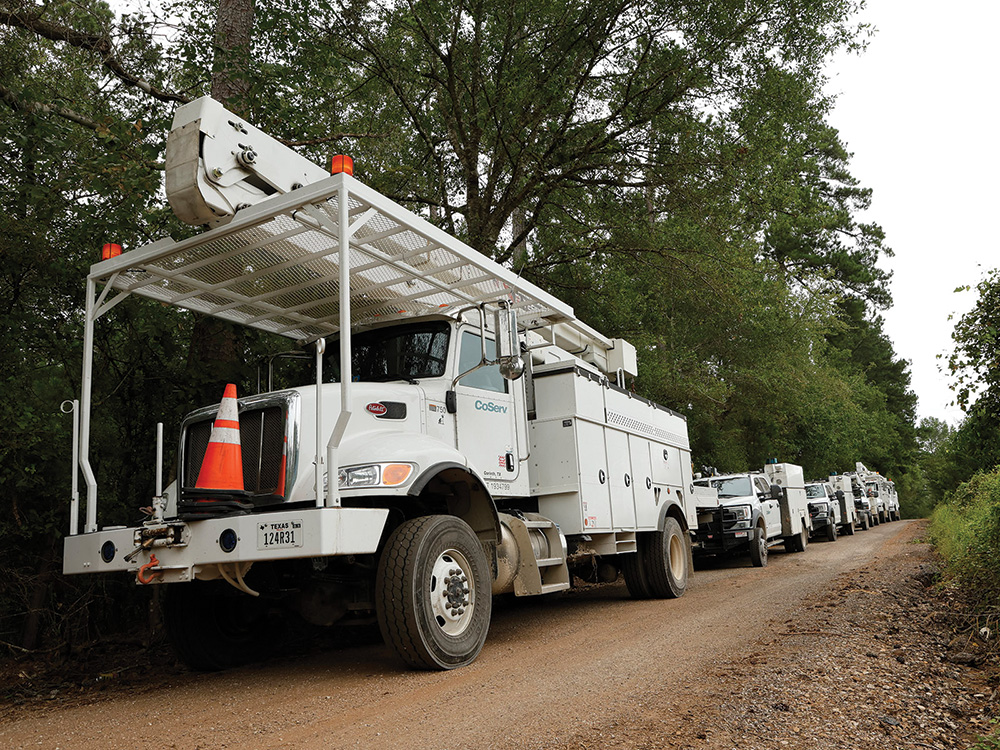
(755, 512)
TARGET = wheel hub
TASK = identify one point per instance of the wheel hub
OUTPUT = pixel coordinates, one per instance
(452, 594)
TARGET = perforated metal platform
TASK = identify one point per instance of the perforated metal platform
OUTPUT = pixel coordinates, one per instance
(276, 267)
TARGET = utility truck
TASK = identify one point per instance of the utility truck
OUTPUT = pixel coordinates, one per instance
(854, 508)
(462, 434)
(880, 493)
(756, 510)
(830, 511)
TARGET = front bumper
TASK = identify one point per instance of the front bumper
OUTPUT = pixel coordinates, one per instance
(308, 532)
(719, 534)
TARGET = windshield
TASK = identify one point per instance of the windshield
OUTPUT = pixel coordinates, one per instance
(814, 491)
(406, 352)
(872, 488)
(733, 486)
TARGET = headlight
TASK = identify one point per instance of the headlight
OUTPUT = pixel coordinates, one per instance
(742, 512)
(374, 475)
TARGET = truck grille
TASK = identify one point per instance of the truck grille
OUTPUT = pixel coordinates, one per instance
(262, 444)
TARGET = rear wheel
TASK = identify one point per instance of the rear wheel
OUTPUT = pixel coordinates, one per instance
(432, 593)
(634, 573)
(849, 528)
(799, 542)
(758, 548)
(664, 558)
(865, 521)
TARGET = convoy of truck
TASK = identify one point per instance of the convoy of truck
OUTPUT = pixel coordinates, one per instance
(461, 434)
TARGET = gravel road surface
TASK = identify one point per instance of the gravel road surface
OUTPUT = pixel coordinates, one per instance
(831, 648)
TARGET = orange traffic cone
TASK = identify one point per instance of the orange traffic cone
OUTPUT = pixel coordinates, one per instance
(218, 490)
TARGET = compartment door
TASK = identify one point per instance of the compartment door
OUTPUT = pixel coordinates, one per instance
(647, 510)
(621, 479)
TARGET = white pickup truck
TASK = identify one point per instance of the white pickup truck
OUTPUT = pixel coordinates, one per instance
(756, 511)
(469, 437)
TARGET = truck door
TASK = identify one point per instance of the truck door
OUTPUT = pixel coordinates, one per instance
(485, 416)
(770, 508)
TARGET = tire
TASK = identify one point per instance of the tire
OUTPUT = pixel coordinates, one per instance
(831, 531)
(865, 522)
(758, 548)
(634, 573)
(212, 626)
(849, 528)
(882, 517)
(799, 542)
(664, 557)
(433, 597)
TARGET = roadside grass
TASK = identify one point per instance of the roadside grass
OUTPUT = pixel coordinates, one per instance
(965, 530)
(990, 741)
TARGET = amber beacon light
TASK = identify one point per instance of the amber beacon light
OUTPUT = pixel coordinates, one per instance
(341, 163)
(110, 250)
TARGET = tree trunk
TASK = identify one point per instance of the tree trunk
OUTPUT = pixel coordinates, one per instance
(233, 37)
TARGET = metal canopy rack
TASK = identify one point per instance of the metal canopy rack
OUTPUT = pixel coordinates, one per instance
(276, 267)
(331, 255)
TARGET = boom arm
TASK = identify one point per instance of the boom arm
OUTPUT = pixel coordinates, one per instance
(218, 164)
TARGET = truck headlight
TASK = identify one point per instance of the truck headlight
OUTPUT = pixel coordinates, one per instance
(374, 475)
(742, 512)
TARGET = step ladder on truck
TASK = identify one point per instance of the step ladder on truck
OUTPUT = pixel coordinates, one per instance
(469, 438)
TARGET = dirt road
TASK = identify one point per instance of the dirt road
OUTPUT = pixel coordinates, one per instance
(590, 669)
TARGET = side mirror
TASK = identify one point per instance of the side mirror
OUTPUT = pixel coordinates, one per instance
(840, 494)
(508, 347)
(776, 492)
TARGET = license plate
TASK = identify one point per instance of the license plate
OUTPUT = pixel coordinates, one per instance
(740, 534)
(279, 534)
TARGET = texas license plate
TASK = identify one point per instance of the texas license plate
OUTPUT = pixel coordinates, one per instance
(279, 534)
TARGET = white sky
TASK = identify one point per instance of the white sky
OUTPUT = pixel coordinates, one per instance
(919, 111)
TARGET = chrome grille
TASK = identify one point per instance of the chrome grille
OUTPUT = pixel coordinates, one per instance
(262, 438)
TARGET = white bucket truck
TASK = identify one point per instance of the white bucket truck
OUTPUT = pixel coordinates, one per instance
(756, 511)
(470, 437)
(880, 493)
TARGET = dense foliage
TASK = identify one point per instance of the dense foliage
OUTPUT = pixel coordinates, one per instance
(966, 531)
(665, 167)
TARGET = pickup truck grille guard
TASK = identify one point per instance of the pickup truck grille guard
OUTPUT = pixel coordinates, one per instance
(716, 534)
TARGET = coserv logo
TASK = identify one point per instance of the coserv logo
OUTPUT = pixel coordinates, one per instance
(378, 409)
(490, 406)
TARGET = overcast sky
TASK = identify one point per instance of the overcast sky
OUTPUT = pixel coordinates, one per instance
(918, 110)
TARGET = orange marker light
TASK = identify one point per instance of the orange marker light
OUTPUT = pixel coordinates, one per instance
(341, 163)
(394, 474)
(110, 250)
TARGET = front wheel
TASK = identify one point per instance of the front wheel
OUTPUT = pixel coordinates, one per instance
(432, 593)
(865, 521)
(758, 548)
(831, 531)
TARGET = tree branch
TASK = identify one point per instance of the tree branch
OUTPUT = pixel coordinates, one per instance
(34, 108)
(101, 44)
